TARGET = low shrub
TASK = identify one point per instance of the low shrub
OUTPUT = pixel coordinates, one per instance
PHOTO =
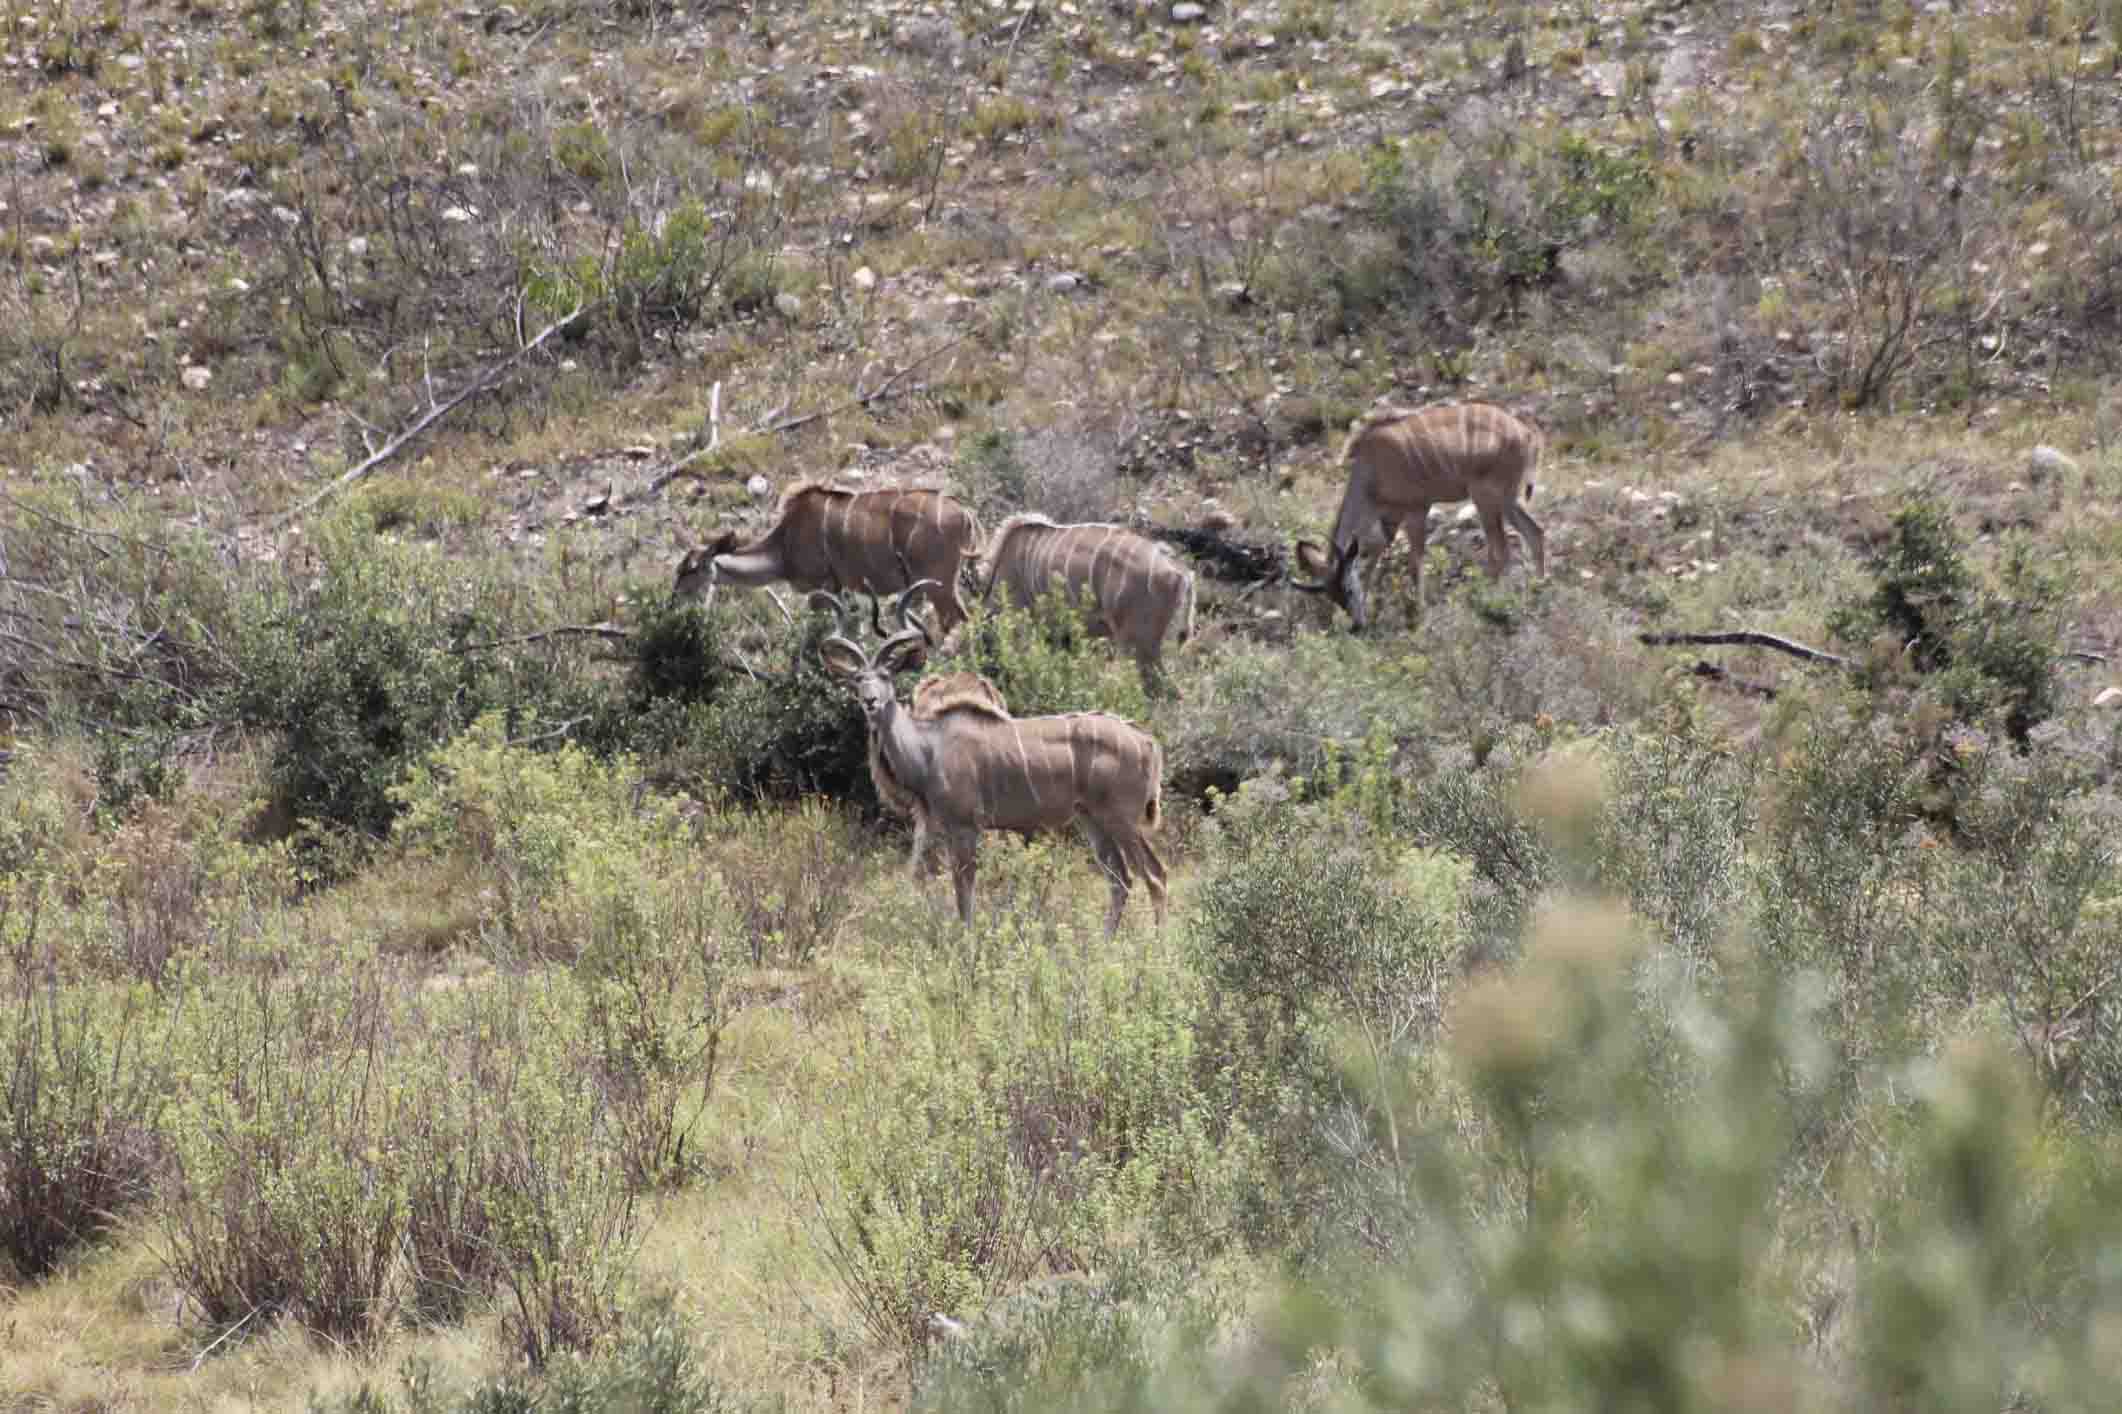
(85, 1077)
(1030, 1112)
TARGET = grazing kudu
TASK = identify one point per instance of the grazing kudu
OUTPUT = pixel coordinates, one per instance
(826, 537)
(1135, 590)
(1400, 463)
(966, 766)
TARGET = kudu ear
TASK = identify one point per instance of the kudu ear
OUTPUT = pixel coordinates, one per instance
(841, 658)
(903, 652)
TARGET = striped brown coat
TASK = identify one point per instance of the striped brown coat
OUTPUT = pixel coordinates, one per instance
(1133, 589)
(1402, 462)
(831, 538)
(967, 766)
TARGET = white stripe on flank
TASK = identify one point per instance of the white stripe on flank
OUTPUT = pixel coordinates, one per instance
(1024, 761)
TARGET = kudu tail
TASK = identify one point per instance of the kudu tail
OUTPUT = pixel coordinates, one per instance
(1186, 611)
(1153, 809)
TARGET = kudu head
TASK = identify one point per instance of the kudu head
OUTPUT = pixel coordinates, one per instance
(696, 572)
(870, 675)
(1334, 575)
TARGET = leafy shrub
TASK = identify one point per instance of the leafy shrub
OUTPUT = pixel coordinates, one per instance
(794, 878)
(85, 1084)
(1258, 708)
(1991, 651)
(356, 677)
(1023, 1114)
(1043, 660)
(304, 1186)
(654, 1365)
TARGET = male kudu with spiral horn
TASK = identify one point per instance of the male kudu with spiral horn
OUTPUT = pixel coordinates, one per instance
(963, 765)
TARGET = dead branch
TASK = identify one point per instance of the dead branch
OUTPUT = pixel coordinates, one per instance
(883, 392)
(486, 379)
(606, 631)
(1745, 638)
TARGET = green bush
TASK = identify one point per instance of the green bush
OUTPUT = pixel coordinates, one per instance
(1990, 651)
(361, 674)
(85, 1077)
(349, 1153)
(1043, 660)
(1029, 1111)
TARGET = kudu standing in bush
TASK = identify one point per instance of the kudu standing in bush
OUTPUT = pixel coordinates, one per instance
(834, 539)
(1402, 462)
(1135, 591)
(962, 764)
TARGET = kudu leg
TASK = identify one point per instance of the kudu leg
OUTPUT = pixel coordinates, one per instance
(1498, 542)
(964, 861)
(1113, 861)
(1152, 869)
(1417, 552)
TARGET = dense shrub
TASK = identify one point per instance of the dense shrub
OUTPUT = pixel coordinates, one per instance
(360, 674)
(85, 1075)
(1043, 660)
(307, 1186)
(1025, 1113)
(1990, 651)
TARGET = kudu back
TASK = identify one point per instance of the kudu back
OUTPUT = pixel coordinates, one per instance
(1402, 462)
(839, 540)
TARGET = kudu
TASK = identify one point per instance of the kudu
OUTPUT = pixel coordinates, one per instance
(964, 765)
(830, 538)
(1400, 463)
(1135, 590)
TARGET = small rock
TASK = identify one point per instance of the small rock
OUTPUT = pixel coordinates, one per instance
(196, 376)
(357, 247)
(2045, 461)
(457, 214)
(1466, 514)
(2110, 697)
(598, 504)
(1064, 282)
(1188, 13)
(640, 452)
(789, 305)
(758, 488)
(865, 279)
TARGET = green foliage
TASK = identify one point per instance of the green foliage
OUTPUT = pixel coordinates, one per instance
(1992, 651)
(1043, 660)
(1259, 708)
(85, 1083)
(355, 676)
(348, 1153)
(584, 868)
(1023, 1113)
(653, 1367)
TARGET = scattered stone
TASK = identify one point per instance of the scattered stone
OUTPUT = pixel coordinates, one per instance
(1188, 13)
(2110, 697)
(1064, 282)
(457, 214)
(789, 305)
(865, 279)
(2046, 461)
(196, 376)
(357, 247)
(758, 488)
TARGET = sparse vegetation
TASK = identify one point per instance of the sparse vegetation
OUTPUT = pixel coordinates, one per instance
(442, 970)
